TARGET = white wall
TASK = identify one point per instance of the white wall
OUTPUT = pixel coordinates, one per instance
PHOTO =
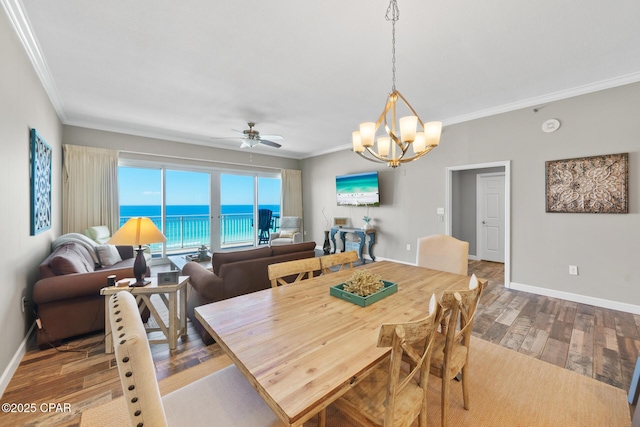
(605, 247)
(23, 105)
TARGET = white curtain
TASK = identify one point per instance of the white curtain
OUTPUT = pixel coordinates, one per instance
(90, 188)
(291, 192)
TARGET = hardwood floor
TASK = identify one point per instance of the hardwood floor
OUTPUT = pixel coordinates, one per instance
(599, 343)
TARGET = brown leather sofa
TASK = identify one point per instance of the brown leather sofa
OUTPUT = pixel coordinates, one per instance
(236, 273)
(67, 296)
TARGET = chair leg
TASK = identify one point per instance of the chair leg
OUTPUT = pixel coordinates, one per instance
(444, 401)
(465, 387)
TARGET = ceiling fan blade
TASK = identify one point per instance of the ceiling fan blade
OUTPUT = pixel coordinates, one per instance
(270, 143)
(238, 131)
(271, 136)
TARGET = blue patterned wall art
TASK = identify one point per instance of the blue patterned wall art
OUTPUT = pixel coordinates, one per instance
(41, 158)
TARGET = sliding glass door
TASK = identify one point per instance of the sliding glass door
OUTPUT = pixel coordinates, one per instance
(187, 210)
(249, 209)
(201, 207)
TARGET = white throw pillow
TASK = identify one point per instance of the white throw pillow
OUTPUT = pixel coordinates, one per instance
(108, 254)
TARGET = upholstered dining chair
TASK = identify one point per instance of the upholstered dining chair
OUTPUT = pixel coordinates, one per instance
(342, 259)
(442, 252)
(223, 398)
(390, 396)
(283, 273)
(451, 345)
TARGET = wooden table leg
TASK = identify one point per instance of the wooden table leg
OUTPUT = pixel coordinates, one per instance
(173, 338)
(108, 336)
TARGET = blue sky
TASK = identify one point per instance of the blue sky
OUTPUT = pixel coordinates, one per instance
(143, 187)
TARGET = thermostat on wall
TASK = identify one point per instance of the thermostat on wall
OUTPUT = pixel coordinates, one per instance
(551, 125)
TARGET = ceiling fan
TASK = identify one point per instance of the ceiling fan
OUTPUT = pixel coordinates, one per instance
(251, 137)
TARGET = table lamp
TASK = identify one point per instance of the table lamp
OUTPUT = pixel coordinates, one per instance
(138, 232)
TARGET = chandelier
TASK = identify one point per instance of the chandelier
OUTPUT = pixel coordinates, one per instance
(392, 146)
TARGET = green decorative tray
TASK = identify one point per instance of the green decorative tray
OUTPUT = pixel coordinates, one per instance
(389, 288)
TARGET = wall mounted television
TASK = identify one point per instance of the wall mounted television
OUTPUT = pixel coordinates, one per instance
(358, 189)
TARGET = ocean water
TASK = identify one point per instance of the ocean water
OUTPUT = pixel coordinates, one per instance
(128, 211)
(188, 226)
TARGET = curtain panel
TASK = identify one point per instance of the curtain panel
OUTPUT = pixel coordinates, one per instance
(90, 188)
(291, 192)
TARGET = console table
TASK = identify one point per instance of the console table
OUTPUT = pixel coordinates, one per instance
(362, 234)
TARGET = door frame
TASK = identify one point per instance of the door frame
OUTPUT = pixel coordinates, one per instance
(507, 207)
(478, 216)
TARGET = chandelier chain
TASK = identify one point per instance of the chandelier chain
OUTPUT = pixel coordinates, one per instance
(393, 14)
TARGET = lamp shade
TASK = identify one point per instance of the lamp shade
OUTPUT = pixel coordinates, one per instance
(137, 231)
(357, 145)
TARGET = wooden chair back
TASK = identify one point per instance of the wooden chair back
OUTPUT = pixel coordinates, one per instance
(283, 273)
(343, 259)
(451, 348)
(444, 253)
(391, 396)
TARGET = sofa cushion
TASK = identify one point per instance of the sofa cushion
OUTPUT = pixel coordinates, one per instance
(297, 247)
(220, 258)
(69, 259)
(108, 254)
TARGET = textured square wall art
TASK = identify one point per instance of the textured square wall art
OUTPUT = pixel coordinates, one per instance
(598, 184)
(41, 157)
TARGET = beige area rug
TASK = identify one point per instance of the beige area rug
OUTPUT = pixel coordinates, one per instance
(506, 389)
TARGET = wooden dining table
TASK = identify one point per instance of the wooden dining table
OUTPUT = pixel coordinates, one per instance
(302, 348)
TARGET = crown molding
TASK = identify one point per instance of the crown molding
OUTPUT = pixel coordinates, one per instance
(17, 17)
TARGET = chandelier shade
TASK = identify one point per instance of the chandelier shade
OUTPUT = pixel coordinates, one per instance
(396, 134)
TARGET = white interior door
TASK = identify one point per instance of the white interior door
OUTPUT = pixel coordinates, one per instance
(490, 214)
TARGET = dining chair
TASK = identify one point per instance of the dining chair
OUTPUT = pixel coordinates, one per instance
(444, 253)
(392, 396)
(222, 398)
(343, 259)
(283, 273)
(452, 344)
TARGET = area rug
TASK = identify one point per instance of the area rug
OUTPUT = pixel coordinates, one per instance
(506, 389)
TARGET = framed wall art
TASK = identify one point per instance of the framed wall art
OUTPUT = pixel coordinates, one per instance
(598, 184)
(41, 158)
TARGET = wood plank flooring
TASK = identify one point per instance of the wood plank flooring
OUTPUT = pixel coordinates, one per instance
(599, 343)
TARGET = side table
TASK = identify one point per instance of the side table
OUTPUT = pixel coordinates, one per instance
(362, 234)
(176, 304)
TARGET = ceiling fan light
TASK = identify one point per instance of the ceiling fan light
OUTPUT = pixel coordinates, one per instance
(432, 133)
(367, 133)
(357, 144)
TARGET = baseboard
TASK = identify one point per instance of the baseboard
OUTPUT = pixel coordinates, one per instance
(15, 362)
(582, 299)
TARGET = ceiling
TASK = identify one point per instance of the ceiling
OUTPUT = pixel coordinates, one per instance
(311, 71)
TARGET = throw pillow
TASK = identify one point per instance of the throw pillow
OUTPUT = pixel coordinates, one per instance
(286, 234)
(108, 254)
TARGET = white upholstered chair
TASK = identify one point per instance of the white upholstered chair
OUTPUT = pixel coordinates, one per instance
(223, 398)
(444, 253)
(290, 231)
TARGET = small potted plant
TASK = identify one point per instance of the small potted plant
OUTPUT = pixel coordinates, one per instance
(367, 224)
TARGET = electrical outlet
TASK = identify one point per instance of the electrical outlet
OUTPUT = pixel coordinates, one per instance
(573, 270)
(408, 247)
(23, 303)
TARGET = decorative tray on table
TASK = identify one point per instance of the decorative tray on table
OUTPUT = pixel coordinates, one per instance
(196, 258)
(388, 289)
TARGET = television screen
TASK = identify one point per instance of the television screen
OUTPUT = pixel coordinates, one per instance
(358, 189)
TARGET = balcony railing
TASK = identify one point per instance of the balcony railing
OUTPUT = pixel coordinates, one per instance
(192, 231)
